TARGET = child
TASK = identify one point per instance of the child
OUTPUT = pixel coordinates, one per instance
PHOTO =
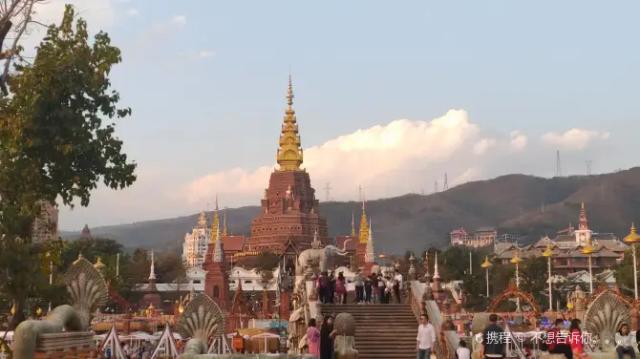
(463, 352)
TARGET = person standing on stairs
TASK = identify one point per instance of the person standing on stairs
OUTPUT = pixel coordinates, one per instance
(326, 338)
(368, 288)
(358, 282)
(313, 338)
(426, 338)
(341, 289)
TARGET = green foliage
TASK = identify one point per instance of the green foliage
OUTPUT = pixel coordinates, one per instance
(533, 278)
(56, 142)
(624, 273)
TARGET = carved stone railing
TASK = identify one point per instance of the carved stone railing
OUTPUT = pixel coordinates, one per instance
(446, 340)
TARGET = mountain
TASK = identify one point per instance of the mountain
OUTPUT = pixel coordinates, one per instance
(518, 204)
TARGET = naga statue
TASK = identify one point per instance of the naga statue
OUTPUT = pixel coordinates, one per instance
(88, 291)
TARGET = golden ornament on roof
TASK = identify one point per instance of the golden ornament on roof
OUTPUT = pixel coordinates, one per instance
(587, 249)
(486, 264)
(548, 252)
(633, 236)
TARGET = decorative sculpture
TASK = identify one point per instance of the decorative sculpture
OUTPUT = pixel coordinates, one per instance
(88, 292)
(201, 320)
(344, 342)
(604, 315)
(315, 260)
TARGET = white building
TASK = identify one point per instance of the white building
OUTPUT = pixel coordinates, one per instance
(194, 248)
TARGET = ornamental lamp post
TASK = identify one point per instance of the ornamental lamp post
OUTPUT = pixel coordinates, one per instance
(588, 251)
(486, 265)
(516, 260)
(631, 239)
(548, 253)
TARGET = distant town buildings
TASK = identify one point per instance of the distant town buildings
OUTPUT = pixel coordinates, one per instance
(481, 237)
(568, 247)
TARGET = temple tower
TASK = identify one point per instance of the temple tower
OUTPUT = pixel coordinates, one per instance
(216, 284)
(289, 215)
(583, 233)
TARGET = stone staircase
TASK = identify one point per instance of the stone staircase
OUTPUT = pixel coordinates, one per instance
(383, 331)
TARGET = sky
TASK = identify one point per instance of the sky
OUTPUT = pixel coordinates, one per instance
(389, 96)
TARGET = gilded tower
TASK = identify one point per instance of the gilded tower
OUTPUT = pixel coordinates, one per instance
(289, 216)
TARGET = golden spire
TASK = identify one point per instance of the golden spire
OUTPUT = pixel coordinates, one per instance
(289, 154)
(353, 225)
(224, 223)
(215, 224)
(364, 227)
(633, 236)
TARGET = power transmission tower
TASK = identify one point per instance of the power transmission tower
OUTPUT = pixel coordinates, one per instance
(360, 194)
(327, 191)
(446, 182)
(588, 163)
(558, 165)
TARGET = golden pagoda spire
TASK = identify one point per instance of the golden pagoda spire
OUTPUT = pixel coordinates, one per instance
(224, 223)
(215, 224)
(364, 226)
(289, 154)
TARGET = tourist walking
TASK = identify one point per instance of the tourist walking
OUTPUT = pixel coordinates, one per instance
(323, 287)
(426, 338)
(625, 342)
(493, 339)
(332, 287)
(463, 352)
(313, 338)
(576, 340)
(326, 338)
(396, 290)
(380, 288)
(341, 289)
(557, 341)
(368, 289)
(358, 282)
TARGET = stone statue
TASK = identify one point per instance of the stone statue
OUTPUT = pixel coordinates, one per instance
(604, 315)
(344, 342)
(201, 320)
(88, 292)
(315, 260)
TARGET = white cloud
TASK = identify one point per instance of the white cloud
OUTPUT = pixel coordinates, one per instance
(518, 140)
(483, 145)
(390, 159)
(180, 20)
(574, 139)
(132, 12)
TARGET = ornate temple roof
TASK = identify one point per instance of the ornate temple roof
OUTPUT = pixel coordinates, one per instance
(289, 154)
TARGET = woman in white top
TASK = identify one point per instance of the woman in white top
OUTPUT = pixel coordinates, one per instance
(463, 352)
(625, 342)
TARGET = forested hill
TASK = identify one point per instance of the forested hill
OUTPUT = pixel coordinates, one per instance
(518, 204)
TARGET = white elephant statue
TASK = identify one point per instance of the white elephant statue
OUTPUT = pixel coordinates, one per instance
(313, 258)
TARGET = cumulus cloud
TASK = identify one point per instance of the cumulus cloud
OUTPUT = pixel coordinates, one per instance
(389, 159)
(518, 140)
(483, 145)
(574, 139)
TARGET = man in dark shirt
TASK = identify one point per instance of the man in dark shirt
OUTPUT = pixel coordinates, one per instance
(493, 339)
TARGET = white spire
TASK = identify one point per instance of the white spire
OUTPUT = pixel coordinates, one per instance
(370, 256)
(152, 271)
(436, 273)
(316, 241)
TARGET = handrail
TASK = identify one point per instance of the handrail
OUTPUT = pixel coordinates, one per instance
(447, 341)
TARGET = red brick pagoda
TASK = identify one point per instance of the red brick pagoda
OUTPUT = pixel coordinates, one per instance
(289, 214)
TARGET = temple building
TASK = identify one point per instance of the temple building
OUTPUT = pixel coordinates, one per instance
(568, 248)
(194, 247)
(481, 237)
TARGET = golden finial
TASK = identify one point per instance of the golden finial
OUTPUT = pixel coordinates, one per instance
(548, 252)
(215, 224)
(588, 249)
(516, 259)
(289, 155)
(364, 226)
(486, 264)
(99, 265)
(633, 236)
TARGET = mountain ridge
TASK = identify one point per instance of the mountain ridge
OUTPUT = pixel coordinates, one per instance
(520, 204)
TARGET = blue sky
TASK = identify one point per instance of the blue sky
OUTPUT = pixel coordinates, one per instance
(206, 82)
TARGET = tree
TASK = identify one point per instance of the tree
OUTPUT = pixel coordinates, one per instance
(534, 273)
(57, 141)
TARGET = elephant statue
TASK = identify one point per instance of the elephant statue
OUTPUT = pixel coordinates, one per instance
(317, 259)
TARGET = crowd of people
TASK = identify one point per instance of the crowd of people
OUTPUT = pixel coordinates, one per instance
(570, 342)
(375, 288)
